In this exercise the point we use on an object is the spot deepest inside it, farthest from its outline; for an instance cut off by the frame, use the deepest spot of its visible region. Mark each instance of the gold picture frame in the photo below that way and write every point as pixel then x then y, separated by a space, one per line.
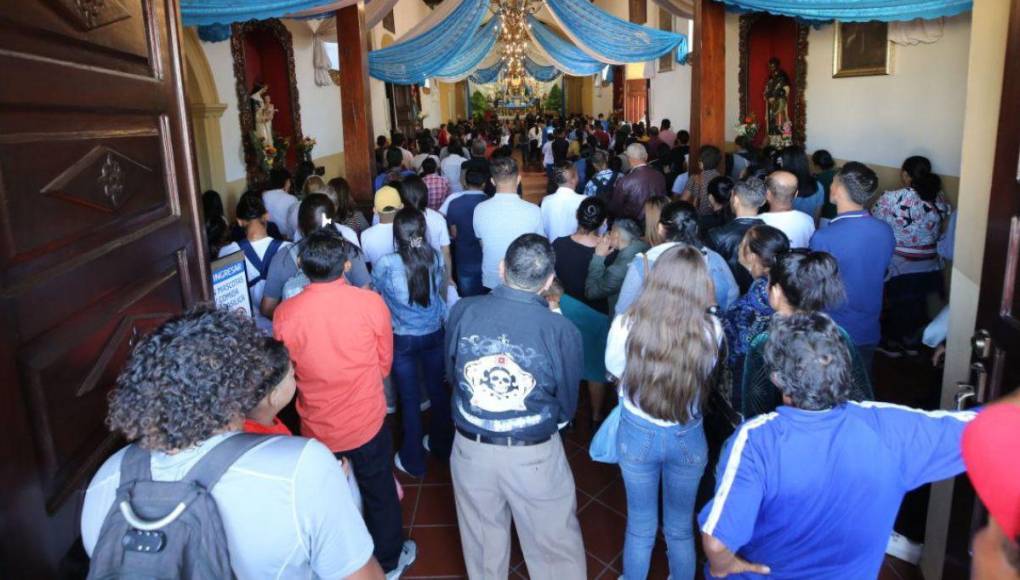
pixel 861 49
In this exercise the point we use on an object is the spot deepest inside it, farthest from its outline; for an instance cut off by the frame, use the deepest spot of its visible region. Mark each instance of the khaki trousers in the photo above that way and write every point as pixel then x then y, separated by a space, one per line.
pixel 534 486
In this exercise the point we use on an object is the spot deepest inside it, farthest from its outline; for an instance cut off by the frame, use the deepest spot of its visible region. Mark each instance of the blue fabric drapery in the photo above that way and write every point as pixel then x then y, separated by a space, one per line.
pixel 484 76
pixel 214 32
pixel 540 72
pixel 855 10
pixel 206 12
pixel 473 53
pixel 612 40
pixel 562 54
pixel 421 57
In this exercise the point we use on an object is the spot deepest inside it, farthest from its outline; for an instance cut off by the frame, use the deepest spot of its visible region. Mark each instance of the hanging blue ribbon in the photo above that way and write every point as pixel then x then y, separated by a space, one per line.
pixel 416 59
pixel 539 72
pixel 564 55
pixel 610 39
pixel 473 53
pixel 855 10
pixel 206 12
pixel 484 76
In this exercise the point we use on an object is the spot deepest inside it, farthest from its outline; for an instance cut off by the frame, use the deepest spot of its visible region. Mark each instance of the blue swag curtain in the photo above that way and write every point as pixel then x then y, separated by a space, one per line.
pixel 855 10
pixel 484 76
pixel 561 53
pixel 207 12
pixel 473 53
pixel 540 72
pixel 421 57
pixel 612 40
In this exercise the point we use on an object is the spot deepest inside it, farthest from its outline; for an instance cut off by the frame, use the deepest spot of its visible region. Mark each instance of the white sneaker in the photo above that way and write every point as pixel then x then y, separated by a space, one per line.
pixel 408 554
pixel 425 405
pixel 399 465
pixel 901 547
pixel 390 410
pixel 425 443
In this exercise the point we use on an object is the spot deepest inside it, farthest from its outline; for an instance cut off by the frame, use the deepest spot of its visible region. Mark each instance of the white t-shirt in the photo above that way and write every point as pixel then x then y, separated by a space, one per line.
pixel 436 230
pixel 286 508
pixel 547 154
pixel 559 213
pixel 260 247
pixel 498 222
pixel 377 241
pixel 450 168
pixel 797 225
pixel 283 209
pixel 346 231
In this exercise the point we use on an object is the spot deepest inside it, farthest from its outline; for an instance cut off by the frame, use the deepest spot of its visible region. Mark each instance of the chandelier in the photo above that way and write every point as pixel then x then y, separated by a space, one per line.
pixel 513 38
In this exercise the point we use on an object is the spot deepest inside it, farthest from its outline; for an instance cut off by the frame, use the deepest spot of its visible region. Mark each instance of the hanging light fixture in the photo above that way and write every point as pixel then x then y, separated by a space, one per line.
pixel 513 37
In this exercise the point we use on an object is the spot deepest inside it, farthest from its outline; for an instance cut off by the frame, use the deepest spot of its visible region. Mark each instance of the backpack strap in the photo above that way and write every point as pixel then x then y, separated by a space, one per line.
pixel 216 462
pixel 261 264
pixel 136 465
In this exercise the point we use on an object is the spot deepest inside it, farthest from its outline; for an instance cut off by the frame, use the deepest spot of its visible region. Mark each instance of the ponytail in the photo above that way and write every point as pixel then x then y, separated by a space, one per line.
pixel 809 280
pixel 922 180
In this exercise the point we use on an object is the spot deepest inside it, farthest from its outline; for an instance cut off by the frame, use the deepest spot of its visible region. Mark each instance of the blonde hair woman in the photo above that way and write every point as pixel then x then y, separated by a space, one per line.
pixel 653 208
pixel 664 349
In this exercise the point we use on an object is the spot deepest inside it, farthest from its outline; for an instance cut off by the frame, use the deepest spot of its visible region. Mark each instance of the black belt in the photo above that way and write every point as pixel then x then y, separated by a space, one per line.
pixel 504 441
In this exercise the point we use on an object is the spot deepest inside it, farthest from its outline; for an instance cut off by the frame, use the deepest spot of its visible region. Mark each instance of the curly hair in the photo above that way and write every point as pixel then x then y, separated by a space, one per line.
pixel 192 377
pixel 810 361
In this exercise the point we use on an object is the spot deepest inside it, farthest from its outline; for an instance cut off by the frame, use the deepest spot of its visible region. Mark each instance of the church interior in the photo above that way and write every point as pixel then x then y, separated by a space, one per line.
pixel 116 116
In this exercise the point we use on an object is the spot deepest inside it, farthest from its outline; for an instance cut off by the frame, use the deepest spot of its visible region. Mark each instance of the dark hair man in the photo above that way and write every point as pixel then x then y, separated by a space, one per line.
pixel 863 246
pixel 503 218
pixel 516 367
pixel 746 199
pixel 281 205
pixel 812 489
pixel 340 383
pixel 709 161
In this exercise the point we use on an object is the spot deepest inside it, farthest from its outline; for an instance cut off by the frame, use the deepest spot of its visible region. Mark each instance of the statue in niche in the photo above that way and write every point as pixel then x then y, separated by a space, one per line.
pixel 263 111
pixel 778 126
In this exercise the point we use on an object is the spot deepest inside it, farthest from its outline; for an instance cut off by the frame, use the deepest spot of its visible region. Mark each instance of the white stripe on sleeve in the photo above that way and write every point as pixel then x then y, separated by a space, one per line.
pixel 732 465
pixel 964 416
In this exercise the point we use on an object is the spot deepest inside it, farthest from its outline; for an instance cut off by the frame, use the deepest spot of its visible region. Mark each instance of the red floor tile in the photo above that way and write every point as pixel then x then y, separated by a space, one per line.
pixel 603 530
pixel 408 505
pixel 437 471
pixel 439 553
pixel 436 506
pixel 592 477
pixel 615 497
pixel 595 567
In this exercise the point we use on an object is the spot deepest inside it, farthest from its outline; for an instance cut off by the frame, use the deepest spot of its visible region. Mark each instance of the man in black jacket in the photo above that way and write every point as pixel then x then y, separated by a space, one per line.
pixel 746 199
pixel 515 366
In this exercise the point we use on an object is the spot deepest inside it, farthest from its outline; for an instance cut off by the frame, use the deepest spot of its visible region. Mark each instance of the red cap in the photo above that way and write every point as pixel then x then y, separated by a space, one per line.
pixel 991 451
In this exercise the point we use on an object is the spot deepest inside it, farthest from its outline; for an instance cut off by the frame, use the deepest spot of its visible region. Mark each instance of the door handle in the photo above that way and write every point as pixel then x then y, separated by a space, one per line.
pixel 964 392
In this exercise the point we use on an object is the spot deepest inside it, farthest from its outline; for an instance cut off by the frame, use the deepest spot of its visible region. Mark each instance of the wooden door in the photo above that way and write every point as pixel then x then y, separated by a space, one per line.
pixel 99 242
pixel 636 97
pixel 995 369
pixel 403 111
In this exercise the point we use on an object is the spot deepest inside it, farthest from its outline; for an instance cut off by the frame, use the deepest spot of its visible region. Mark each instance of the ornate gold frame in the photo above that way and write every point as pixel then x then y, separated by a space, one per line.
pixel 837 56
pixel 799 80
pixel 254 171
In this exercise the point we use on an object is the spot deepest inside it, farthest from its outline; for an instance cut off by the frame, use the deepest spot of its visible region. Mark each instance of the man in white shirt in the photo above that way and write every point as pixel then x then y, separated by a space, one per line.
pixel 281 205
pixel 502 219
pixel 398 139
pixel 377 241
pixel 450 167
pixel 559 210
pixel 781 188
pixel 547 156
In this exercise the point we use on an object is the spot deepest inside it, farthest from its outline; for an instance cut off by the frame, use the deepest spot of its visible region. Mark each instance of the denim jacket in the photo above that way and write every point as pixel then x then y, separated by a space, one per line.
pixel 515 365
pixel 409 318
pixel 726 289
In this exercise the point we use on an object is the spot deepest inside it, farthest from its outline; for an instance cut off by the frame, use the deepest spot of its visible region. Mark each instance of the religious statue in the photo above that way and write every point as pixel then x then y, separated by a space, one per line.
pixel 263 111
pixel 778 127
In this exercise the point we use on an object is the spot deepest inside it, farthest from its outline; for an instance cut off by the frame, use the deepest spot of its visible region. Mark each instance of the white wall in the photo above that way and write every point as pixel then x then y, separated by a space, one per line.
pixel 670 92
pixel 320 106
pixel 917 110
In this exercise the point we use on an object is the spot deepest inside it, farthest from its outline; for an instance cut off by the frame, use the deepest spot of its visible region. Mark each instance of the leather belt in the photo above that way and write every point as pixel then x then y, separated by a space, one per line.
pixel 502 441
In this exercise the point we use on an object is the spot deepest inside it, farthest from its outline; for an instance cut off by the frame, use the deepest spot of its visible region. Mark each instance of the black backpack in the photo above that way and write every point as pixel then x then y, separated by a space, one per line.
pixel 168 529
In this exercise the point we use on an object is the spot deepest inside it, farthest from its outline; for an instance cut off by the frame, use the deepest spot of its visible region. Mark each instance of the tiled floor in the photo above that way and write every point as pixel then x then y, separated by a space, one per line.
pixel 430 516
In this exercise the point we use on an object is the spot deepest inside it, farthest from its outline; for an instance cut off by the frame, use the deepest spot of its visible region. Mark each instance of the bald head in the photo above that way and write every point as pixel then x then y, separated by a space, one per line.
pixel 782 188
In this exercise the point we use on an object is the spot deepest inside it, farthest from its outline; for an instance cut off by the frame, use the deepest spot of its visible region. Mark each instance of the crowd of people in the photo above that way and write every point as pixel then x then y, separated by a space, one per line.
pixel 752 293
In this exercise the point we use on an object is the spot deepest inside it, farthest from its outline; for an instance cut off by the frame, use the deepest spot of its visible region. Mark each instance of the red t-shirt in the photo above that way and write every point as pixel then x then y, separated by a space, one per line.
pixel 340 339
pixel 278 427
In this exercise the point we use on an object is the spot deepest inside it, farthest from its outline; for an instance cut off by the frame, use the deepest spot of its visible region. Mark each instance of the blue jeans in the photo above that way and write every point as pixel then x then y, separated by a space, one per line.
pixel 469 283
pixel 676 456
pixel 408 352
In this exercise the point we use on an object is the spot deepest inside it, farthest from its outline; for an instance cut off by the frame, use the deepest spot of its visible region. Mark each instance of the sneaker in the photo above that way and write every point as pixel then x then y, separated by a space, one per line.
pixel 901 547
pixel 390 410
pixel 399 465
pixel 408 554
pixel 425 405
pixel 425 443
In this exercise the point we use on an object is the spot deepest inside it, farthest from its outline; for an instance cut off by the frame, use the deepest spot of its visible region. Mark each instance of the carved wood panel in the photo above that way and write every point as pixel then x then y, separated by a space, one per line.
pixel 99 242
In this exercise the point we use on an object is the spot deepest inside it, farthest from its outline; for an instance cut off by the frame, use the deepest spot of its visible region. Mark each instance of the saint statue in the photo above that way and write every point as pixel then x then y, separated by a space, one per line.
pixel 263 111
pixel 777 108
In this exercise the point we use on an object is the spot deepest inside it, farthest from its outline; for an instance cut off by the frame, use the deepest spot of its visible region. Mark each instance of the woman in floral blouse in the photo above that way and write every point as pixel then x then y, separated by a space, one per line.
pixel 916 213
pixel 751 314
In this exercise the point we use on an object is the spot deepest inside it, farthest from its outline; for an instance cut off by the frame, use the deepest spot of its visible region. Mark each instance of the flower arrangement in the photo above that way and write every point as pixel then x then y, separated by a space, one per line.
pixel 749 128
pixel 305 146
pixel 270 155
